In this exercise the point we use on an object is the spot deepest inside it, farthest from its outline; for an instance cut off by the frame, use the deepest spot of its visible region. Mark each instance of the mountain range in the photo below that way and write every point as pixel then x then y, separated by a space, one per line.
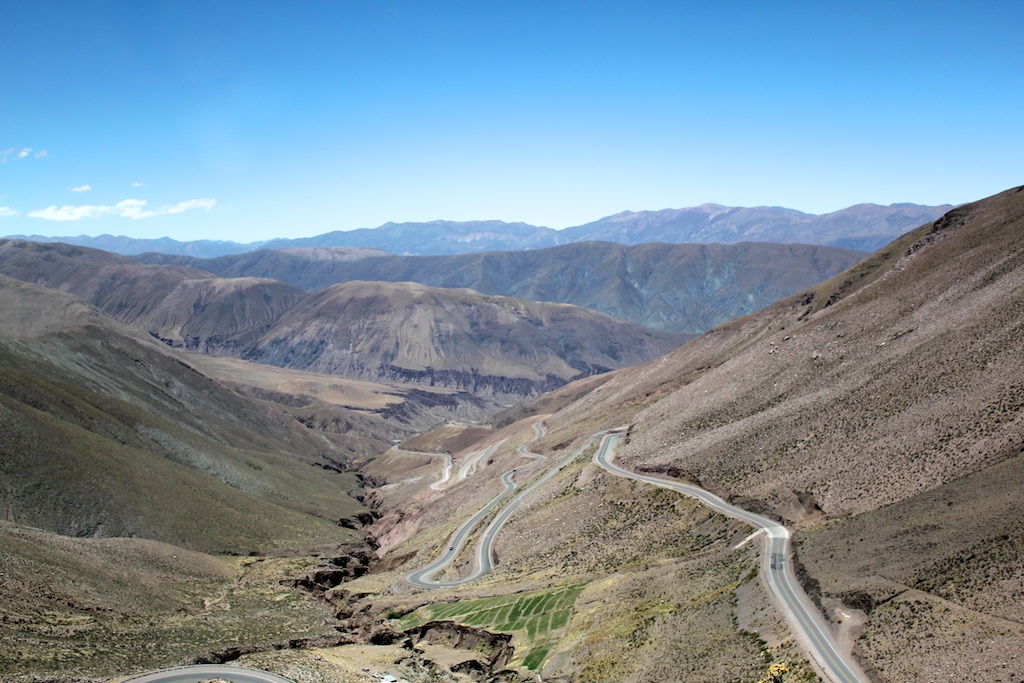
pixel 864 227
pixel 165 507
pixel 675 287
pixel 491 347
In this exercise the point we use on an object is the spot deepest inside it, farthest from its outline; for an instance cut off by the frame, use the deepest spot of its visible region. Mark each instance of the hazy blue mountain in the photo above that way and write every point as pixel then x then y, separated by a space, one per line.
pixel 865 227
pixel 130 246
pixel 435 237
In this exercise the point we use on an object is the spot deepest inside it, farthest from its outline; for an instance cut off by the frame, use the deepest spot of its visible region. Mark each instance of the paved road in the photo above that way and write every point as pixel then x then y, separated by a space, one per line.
pixel 485 550
pixel 202 672
pixel 421 577
pixel 777 570
pixel 483 561
pixel 446 473
pixel 538 434
pixel 469 466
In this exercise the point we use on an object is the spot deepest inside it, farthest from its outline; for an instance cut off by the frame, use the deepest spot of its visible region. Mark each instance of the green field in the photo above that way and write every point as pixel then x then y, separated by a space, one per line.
pixel 535 618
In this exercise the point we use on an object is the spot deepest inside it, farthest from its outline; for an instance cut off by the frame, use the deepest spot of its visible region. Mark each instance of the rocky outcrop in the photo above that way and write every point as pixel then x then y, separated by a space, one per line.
pixel 230 654
pixel 331 572
pixel 495 648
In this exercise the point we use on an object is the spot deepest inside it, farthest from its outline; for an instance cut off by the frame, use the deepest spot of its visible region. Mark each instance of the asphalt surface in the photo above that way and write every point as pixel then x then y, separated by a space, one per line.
pixel 203 672
pixel 776 566
pixel 538 434
pixel 777 569
pixel 421 577
pixel 446 473
pixel 484 557
pixel 469 466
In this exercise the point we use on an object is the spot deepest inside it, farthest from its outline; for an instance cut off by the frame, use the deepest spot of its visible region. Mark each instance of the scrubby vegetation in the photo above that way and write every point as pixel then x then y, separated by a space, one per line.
pixel 82 609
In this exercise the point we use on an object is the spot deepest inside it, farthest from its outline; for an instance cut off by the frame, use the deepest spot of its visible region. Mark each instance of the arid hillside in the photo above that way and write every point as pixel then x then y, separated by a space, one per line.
pixel 151 514
pixel 459 339
pixel 478 346
pixel 896 376
pixel 183 307
pixel 879 414
pixel 105 434
pixel 882 414
pixel 682 287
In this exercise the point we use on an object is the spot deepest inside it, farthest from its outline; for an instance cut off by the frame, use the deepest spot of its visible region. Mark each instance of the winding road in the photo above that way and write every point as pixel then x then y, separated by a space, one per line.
pixel 446 473
pixel 776 568
pixel 203 672
pixel 483 561
pixel 776 565
pixel 538 434
pixel 482 565
pixel 469 466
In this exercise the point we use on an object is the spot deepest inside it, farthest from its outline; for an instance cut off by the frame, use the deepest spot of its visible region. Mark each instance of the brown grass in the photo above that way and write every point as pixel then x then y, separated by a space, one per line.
pixel 340 391
pixel 91 609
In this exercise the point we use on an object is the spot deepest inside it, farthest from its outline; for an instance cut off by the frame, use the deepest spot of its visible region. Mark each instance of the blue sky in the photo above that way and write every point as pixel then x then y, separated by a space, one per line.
pixel 251 120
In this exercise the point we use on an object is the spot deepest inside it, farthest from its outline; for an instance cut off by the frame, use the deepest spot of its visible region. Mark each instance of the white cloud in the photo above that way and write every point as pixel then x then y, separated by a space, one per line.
pixel 127 208
pixel 70 213
pixel 136 184
pixel 82 188
pixel 7 211
pixel 22 154
pixel 181 207
pixel 134 209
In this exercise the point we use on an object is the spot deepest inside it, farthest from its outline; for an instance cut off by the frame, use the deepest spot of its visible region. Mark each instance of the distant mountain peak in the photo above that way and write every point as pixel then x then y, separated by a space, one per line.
pixel 865 227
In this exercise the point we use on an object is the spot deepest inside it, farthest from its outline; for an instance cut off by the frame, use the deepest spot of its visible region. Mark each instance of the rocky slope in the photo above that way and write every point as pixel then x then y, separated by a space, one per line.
pixel 680 287
pixel 887 380
pixel 182 306
pixel 459 339
pixel 882 413
pixel 879 413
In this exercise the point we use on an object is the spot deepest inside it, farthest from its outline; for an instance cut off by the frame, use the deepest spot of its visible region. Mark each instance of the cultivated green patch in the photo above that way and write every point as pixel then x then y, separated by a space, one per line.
pixel 535 618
